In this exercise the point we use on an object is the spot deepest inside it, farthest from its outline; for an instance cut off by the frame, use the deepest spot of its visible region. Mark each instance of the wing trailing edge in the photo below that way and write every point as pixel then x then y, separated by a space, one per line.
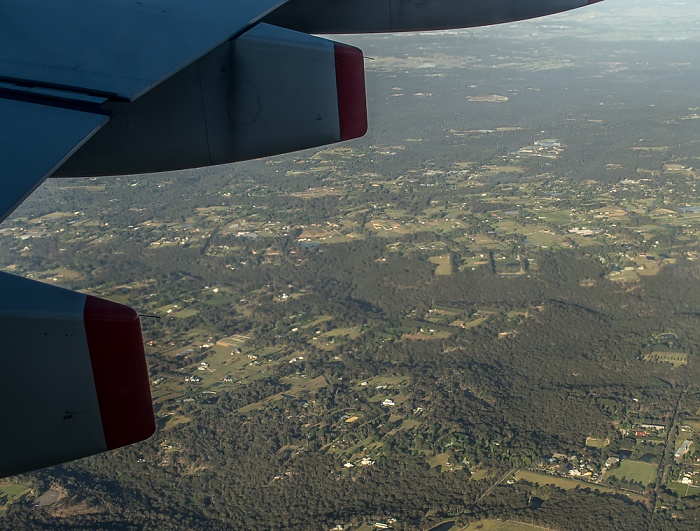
pixel 37 134
pixel 381 16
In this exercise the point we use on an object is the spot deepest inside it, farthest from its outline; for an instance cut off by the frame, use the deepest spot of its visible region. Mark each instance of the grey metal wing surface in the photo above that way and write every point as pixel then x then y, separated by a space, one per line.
pixel 59 61
pixel 35 138
pixel 118 48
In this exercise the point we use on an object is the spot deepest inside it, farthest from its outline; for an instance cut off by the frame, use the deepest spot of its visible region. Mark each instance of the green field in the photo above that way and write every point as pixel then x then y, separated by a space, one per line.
pixel 674 358
pixel 684 490
pixel 497 525
pixel 568 484
pixel 184 314
pixel 444 461
pixel 329 340
pixel 634 471
pixel 317 321
pixel 298 384
pixel 223 363
pixel 409 424
pixel 623 276
pixel 475 322
pixel 352 332
pixel 13 492
pixel 444 264
pixel 556 216
pixel 597 443
pixel 388 380
pixel 479 474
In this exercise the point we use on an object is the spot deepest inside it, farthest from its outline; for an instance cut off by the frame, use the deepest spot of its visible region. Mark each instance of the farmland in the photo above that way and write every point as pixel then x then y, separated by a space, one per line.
pixel 634 471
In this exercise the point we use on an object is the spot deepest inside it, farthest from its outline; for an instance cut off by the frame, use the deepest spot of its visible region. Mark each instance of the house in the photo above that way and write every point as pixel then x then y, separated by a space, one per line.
pixel 388 402
pixel 683 449
pixel 612 461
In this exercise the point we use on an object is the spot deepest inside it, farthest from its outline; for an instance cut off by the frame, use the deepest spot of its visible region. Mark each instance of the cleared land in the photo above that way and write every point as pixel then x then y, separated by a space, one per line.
pixel 568 484
pixel 634 471
pixel 13 492
pixel 597 443
pixel 442 460
pixel 298 384
pixel 444 264
pixel 684 490
pixel 497 525
pixel 674 358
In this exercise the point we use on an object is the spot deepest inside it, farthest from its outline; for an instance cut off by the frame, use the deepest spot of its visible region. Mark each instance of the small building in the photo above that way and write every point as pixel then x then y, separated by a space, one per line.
pixel 611 461
pixel 683 449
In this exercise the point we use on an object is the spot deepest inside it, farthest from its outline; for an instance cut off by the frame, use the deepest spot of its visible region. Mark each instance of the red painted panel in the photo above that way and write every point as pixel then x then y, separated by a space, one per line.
pixel 350 80
pixel 119 368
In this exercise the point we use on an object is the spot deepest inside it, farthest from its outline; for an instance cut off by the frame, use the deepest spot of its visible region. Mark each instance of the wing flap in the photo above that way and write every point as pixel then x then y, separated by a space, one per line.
pixel 120 48
pixel 35 139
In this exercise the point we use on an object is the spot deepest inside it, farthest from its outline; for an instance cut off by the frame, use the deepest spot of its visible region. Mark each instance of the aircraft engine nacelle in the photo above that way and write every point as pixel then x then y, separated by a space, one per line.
pixel 378 16
pixel 74 376
pixel 266 92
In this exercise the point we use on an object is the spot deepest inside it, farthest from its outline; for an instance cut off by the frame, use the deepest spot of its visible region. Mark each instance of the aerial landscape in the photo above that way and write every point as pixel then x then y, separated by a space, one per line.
pixel 485 314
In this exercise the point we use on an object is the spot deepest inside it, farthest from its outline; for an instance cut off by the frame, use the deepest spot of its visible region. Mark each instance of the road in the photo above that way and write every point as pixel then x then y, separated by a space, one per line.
pixel 668 453
pixel 488 491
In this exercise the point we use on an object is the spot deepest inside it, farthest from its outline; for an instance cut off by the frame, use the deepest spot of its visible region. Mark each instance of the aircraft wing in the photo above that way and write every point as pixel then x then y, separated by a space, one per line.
pixel 59 61
pixel 76 381
pixel 34 140
pixel 115 47
pixel 113 87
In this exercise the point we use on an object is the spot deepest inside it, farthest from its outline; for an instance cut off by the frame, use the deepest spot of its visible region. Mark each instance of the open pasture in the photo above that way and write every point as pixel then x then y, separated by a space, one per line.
pixel 568 484
pixel 634 471
pixel 498 525
pixel 443 263
pixel 593 442
pixel 684 490
pixel 13 492
pixel 674 358
pixel 422 336
pixel 298 385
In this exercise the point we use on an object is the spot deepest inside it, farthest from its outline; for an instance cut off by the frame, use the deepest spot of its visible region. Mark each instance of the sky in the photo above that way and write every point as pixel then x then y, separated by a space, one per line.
pixel 616 20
